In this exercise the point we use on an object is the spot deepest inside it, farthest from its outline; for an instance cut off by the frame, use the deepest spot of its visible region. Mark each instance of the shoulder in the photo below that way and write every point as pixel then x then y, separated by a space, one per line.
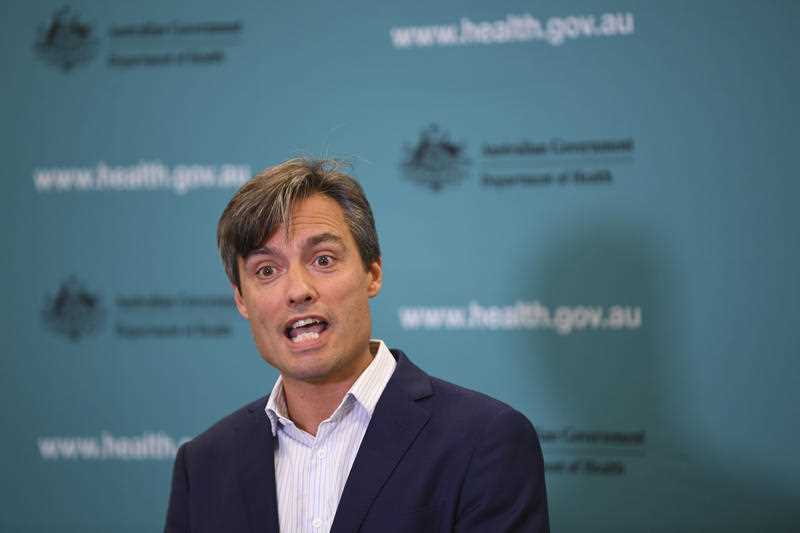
pixel 226 432
pixel 481 411
pixel 491 446
pixel 457 405
pixel 503 453
pixel 467 399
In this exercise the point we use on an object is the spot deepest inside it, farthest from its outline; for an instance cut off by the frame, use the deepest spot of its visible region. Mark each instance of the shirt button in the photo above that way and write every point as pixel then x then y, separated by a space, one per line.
pixel 316 523
pixel 321 453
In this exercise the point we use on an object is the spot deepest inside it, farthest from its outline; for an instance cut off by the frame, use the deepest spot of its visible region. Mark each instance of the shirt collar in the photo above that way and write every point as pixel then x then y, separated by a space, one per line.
pixel 366 390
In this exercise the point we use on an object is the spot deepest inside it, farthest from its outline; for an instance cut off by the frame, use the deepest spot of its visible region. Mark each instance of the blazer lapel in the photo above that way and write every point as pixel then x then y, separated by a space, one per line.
pixel 257 470
pixel 396 422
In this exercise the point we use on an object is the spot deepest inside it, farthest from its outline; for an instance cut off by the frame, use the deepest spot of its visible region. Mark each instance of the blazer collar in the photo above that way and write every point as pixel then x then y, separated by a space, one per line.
pixel 396 422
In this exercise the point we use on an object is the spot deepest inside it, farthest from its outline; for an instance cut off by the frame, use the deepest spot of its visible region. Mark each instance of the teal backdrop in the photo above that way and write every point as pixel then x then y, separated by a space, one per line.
pixel 586 210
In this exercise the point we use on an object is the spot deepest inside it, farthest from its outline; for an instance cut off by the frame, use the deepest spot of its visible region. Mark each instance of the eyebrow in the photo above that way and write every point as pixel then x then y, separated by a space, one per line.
pixel 324 238
pixel 262 250
pixel 312 241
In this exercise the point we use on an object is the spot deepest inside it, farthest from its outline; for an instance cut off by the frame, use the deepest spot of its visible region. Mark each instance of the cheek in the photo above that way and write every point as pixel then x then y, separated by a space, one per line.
pixel 265 339
pixel 355 306
pixel 259 313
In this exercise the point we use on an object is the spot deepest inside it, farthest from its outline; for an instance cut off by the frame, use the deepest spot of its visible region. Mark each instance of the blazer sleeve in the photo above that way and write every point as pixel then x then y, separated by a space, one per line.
pixel 504 489
pixel 178 510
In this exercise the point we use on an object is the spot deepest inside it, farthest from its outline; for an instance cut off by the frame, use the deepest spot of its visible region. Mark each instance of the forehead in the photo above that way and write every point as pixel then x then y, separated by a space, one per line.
pixel 317 213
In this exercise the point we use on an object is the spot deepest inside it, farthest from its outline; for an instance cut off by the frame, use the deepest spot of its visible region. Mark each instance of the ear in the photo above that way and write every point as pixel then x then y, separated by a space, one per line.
pixel 240 305
pixel 375 274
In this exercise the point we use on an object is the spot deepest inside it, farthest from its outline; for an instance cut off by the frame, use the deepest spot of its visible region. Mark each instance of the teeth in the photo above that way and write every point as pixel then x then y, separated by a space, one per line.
pixel 304 322
pixel 306 335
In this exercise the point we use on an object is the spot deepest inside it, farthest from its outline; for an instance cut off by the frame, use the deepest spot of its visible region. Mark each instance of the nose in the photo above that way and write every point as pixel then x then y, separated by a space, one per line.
pixel 300 288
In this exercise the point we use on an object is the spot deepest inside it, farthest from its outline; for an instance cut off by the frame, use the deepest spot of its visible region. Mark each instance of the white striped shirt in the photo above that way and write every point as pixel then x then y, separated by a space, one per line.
pixel 310 472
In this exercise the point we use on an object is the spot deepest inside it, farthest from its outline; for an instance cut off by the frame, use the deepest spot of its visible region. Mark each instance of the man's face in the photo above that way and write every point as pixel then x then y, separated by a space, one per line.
pixel 305 293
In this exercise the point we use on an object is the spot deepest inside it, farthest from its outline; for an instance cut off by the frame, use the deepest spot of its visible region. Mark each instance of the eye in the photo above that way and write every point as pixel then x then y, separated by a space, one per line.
pixel 265 271
pixel 323 260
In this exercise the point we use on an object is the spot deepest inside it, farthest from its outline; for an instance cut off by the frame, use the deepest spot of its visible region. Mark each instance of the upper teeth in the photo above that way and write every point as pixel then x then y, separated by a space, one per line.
pixel 304 322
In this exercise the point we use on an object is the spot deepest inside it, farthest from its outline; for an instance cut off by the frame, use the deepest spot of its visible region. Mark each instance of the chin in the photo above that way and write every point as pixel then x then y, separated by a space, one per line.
pixel 312 372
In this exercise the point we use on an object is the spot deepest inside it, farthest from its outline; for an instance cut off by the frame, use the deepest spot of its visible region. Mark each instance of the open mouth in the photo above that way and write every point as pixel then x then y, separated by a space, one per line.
pixel 305 329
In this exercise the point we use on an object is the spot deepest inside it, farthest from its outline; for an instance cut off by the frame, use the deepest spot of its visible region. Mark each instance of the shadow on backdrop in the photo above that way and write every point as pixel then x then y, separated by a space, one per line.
pixel 630 381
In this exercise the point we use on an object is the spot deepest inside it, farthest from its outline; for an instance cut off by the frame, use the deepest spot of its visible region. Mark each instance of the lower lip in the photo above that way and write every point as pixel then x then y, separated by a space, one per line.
pixel 308 344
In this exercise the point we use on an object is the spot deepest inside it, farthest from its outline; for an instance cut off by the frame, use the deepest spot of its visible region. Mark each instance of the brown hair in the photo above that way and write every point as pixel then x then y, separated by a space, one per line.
pixel 265 203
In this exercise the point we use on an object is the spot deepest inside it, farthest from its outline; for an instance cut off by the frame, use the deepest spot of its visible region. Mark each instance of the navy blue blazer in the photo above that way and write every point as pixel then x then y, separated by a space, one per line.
pixel 435 457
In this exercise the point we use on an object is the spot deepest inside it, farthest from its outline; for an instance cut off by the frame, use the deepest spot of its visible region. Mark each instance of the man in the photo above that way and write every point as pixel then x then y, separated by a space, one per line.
pixel 353 437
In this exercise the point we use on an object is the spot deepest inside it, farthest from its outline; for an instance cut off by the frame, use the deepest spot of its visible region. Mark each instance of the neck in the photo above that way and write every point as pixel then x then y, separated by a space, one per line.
pixel 309 403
